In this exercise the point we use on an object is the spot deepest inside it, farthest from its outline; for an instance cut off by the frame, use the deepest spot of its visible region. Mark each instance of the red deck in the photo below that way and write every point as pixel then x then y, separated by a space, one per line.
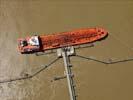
pixel 76 37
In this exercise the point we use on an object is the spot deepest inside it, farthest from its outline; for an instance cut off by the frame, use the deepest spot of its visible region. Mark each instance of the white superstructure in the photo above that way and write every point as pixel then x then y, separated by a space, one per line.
pixel 34 41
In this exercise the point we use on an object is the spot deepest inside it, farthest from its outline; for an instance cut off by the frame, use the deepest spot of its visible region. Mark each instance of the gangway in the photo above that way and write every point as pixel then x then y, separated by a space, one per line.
pixel 65 53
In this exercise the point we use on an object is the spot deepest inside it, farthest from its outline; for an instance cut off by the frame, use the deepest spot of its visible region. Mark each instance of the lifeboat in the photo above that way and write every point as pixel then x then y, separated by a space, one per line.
pixel 41 43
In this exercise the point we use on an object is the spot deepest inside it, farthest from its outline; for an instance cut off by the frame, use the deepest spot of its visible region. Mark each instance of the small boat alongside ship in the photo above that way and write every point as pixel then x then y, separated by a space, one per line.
pixel 41 43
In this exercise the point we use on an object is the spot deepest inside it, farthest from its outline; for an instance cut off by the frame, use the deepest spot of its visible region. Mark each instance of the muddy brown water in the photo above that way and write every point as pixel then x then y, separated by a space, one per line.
pixel 94 81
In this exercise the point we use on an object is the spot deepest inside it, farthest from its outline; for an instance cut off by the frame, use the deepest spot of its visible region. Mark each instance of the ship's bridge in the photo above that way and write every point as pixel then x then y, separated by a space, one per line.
pixel 34 41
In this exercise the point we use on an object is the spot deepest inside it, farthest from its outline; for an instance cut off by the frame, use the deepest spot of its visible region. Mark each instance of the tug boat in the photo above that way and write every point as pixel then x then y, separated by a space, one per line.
pixel 41 43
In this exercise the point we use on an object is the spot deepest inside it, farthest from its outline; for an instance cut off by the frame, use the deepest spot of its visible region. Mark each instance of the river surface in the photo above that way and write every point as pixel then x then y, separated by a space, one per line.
pixel 94 81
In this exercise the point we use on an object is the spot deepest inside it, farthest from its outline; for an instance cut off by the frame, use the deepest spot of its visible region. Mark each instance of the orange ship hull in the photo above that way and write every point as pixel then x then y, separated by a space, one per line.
pixel 59 40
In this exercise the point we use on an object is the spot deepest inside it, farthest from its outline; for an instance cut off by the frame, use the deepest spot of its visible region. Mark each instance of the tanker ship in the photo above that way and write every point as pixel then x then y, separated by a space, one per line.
pixel 41 43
